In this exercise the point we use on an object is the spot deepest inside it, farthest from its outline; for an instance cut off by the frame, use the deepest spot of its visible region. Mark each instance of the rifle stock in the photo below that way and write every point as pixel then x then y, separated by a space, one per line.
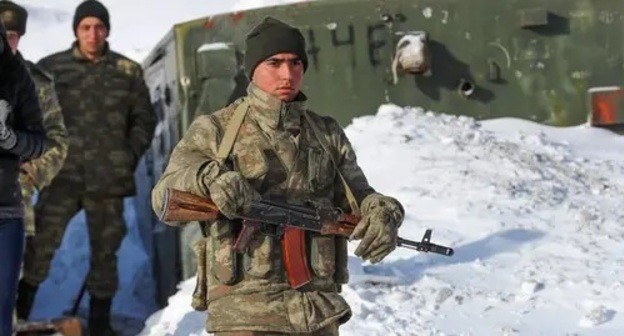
pixel 65 326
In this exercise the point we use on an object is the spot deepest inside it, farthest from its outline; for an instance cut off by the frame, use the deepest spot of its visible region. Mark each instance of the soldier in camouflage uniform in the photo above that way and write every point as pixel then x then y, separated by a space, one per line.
pixel 110 122
pixel 276 155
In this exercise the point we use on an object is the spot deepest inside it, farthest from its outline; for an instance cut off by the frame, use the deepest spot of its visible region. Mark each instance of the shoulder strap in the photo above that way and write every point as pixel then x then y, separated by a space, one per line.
pixel 231 132
pixel 355 209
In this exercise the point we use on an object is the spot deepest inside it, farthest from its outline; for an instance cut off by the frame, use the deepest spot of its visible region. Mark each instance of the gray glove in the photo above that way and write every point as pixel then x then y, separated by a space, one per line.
pixel 232 194
pixel 7 135
pixel 378 228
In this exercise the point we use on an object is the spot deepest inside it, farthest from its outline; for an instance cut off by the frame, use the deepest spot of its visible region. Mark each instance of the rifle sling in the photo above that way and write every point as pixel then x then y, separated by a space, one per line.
pixel 355 209
pixel 225 147
pixel 231 132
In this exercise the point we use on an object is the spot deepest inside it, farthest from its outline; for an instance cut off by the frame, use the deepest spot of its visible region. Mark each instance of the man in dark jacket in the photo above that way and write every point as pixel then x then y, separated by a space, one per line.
pixel 110 122
pixel 36 174
pixel 21 138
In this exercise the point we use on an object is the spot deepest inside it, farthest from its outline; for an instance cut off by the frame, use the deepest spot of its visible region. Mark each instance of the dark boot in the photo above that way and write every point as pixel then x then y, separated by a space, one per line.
pixel 25 299
pixel 99 317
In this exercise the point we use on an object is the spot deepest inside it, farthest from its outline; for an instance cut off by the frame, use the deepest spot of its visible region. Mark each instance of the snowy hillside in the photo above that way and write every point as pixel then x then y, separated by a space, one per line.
pixel 534 214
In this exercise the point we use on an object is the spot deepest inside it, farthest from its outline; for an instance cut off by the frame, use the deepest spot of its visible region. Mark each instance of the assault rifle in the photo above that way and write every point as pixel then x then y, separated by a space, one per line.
pixel 276 218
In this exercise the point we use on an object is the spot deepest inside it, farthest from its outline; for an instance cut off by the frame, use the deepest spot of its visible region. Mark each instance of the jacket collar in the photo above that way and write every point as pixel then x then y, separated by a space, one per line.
pixel 272 112
pixel 78 55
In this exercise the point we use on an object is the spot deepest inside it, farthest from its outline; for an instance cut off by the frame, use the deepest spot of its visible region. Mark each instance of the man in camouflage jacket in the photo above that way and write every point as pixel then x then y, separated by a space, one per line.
pixel 110 122
pixel 276 155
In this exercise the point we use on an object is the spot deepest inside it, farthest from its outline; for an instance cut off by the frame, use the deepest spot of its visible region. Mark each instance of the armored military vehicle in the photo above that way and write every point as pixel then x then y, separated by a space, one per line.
pixel 556 62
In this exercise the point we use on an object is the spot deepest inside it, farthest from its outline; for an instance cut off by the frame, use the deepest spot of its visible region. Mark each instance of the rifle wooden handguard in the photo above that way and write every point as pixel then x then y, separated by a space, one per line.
pixel 344 226
pixel 182 206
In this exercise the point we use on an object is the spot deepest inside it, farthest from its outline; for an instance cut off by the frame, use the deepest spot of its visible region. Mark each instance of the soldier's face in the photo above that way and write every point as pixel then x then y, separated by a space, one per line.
pixel 13 38
pixel 91 34
pixel 280 76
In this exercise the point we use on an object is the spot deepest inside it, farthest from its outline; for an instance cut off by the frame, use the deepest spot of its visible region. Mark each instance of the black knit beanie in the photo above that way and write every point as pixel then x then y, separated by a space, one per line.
pixel 272 37
pixel 91 8
pixel 14 16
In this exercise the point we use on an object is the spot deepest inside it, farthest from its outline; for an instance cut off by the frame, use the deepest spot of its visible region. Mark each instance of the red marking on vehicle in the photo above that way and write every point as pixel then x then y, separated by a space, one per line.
pixel 236 17
pixel 209 24
pixel 605 106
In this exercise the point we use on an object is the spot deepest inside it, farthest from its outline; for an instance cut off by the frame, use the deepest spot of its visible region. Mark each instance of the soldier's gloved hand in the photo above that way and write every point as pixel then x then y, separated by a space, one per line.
pixel 7 135
pixel 232 194
pixel 378 228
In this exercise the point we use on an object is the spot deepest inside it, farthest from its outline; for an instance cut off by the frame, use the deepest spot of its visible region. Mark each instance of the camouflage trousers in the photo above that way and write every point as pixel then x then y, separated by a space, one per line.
pixel 57 204
pixel 331 330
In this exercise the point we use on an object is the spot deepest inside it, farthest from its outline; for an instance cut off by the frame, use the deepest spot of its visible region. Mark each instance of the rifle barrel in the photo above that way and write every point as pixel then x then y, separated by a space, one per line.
pixel 425 247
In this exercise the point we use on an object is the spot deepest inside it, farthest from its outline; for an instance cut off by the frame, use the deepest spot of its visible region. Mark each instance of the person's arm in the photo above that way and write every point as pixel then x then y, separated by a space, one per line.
pixel 27 140
pixel 41 171
pixel 381 215
pixel 346 160
pixel 192 165
pixel 142 116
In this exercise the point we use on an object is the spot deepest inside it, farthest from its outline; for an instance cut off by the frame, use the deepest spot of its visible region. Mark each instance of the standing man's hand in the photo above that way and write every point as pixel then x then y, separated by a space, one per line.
pixel 7 135
pixel 27 184
pixel 378 228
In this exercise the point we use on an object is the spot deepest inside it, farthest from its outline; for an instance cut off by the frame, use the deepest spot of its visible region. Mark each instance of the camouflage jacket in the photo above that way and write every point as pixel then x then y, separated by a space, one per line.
pixel 278 153
pixel 109 118
pixel 38 173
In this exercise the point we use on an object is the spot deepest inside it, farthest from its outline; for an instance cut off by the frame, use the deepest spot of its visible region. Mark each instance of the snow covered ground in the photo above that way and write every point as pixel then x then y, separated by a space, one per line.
pixel 534 214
